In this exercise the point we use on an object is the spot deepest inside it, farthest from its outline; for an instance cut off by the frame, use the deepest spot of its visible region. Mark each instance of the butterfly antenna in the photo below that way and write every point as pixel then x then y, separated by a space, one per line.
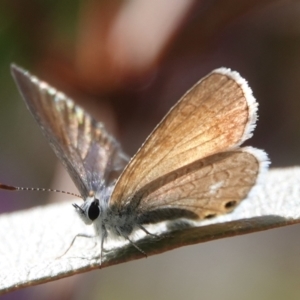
pixel 16 188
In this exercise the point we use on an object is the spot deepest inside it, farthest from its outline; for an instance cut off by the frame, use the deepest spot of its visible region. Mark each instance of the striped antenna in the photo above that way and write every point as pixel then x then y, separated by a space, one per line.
pixel 16 188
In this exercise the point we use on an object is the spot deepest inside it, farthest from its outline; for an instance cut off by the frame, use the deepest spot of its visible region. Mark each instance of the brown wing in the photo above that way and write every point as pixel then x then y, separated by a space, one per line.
pixel 217 114
pixel 92 157
pixel 203 189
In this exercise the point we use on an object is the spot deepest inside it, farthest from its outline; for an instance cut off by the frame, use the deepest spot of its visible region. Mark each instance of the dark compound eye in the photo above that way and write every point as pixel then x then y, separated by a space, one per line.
pixel 94 210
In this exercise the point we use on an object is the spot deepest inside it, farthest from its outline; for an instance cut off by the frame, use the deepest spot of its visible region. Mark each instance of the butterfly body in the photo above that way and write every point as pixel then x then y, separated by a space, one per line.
pixel 106 219
pixel 191 166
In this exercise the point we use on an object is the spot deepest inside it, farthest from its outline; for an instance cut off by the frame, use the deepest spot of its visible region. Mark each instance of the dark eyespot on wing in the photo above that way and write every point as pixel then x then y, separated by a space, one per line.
pixel 230 204
pixel 209 216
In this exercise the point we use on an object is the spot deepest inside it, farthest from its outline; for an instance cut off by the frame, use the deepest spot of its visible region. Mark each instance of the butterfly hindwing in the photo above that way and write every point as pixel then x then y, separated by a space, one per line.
pixel 203 189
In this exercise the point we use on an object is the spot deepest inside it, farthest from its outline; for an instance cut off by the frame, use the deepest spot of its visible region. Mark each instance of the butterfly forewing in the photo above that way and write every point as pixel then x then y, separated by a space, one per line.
pixel 217 114
pixel 89 153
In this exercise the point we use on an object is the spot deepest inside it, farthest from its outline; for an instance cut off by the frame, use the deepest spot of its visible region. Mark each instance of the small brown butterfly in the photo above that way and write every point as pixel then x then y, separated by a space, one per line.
pixel 191 165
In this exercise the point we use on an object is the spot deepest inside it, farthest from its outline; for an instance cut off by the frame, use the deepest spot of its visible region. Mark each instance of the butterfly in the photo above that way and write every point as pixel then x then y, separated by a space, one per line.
pixel 190 167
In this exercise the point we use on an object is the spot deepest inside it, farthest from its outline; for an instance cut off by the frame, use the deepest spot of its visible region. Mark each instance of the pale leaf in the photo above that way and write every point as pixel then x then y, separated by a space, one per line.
pixel 32 241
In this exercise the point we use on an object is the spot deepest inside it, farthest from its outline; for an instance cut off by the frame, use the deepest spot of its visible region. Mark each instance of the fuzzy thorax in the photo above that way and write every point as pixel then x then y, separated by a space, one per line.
pixel 106 219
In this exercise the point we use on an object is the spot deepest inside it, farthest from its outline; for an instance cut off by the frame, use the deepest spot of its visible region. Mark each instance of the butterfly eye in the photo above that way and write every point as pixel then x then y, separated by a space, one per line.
pixel 94 211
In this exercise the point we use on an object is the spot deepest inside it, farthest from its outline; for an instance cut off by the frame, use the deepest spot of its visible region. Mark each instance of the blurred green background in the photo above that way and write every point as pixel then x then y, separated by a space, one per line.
pixel 127 63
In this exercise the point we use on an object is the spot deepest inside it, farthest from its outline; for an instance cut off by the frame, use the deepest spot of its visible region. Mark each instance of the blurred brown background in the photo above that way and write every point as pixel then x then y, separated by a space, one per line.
pixel 128 62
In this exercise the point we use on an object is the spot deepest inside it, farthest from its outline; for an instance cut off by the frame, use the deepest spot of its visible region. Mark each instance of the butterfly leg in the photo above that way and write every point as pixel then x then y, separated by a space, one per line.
pixel 73 241
pixel 147 232
pixel 131 242
pixel 159 237
pixel 104 236
pixel 136 247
